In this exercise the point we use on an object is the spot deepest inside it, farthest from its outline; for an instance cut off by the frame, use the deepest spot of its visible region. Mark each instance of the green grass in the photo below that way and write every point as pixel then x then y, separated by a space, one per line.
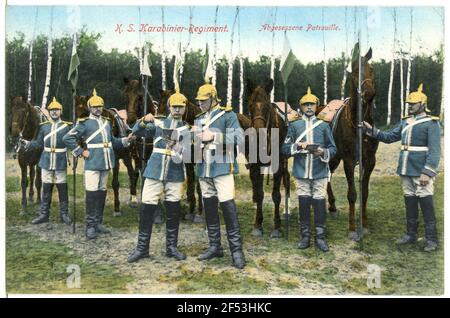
pixel 34 266
pixel 405 270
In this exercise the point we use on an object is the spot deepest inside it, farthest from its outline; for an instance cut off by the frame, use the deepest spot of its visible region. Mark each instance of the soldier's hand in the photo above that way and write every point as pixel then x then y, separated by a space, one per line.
pixel 302 145
pixel 25 143
pixel 85 153
pixel 207 135
pixel 131 137
pixel 319 152
pixel 367 126
pixel 149 117
pixel 424 179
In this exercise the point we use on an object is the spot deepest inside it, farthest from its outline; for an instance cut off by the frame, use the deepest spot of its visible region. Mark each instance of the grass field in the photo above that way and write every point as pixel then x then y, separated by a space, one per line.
pixel 37 256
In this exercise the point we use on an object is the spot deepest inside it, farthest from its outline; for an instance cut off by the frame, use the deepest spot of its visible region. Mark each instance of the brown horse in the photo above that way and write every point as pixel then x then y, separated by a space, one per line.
pixel 119 129
pixel 264 117
pixel 25 120
pixel 346 142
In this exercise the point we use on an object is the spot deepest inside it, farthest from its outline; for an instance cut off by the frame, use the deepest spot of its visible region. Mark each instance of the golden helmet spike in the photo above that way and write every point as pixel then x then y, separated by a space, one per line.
pixel 309 98
pixel 54 105
pixel 95 100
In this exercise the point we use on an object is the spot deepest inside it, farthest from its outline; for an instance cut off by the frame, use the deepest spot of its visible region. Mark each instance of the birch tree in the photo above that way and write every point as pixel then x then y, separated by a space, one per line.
pixel 49 63
pixel 391 75
pixel 230 63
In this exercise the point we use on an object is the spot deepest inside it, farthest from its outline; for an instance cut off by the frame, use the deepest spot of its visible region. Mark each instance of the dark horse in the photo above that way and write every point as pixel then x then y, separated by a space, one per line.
pixel 119 129
pixel 346 141
pixel 25 120
pixel 264 118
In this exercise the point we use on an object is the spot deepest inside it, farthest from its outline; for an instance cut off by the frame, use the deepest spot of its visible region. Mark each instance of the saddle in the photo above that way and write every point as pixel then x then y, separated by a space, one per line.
pixel 291 114
pixel 332 111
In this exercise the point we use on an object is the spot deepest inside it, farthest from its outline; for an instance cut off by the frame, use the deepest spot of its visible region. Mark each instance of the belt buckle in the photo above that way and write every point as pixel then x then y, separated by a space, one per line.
pixel 406 147
pixel 53 149
pixel 105 144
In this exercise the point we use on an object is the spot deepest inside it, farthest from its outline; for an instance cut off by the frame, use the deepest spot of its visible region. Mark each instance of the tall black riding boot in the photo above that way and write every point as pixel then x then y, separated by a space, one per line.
pixel 91 214
pixel 211 209
pixel 427 207
pixel 319 222
pixel 304 208
pixel 233 232
pixel 46 201
pixel 101 200
pixel 412 215
pixel 173 210
pixel 63 203
pixel 146 216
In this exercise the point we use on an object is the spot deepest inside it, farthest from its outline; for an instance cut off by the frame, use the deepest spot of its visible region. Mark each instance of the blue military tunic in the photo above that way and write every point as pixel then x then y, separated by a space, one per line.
pixel 96 133
pixel 420 145
pixel 50 140
pixel 160 165
pixel 307 165
pixel 219 120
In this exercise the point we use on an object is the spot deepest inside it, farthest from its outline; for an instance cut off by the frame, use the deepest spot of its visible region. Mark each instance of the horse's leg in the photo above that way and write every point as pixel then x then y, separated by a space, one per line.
pixel 276 198
pixel 190 190
pixel 32 175
pixel 334 163
pixel 23 184
pixel 199 196
pixel 131 176
pixel 258 197
pixel 38 183
pixel 369 165
pixel 349 169
pixel 115 186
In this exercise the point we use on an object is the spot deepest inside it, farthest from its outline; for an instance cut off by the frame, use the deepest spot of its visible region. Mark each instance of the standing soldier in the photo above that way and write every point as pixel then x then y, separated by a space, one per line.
pixel 311 143
pixel 417 165
pixel 164 173
pixel 95 132
pixel 218 128
pixel 53 162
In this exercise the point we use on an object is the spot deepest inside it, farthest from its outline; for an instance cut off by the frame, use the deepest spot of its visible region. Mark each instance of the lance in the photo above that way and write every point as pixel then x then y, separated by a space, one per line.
pixel 74 170
pixel 285 168
pixel 360 144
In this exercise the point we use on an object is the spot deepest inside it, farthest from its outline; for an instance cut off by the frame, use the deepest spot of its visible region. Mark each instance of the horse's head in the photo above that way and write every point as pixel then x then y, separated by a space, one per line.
pixel 367 81
pixel 134 93
pixel 259 104
pixel 81 108
pixel 164 96
pixel 20 112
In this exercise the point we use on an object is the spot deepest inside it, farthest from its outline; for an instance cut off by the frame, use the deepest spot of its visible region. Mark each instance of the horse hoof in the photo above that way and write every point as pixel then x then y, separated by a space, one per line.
pixel 189 217
pixel 158 220
pixel 276 234
pixel 334 214
pixel 257 232
pixel 353 235
pixel 133 202
pixel 199 219
pixel 117 213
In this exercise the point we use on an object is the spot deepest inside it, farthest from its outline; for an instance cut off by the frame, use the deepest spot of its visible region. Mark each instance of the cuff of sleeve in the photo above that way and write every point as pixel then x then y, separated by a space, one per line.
pixel 125 142
pixel 326 156
pixel 294 149
pixel 429 171
pixel 218 138
pixel 77 151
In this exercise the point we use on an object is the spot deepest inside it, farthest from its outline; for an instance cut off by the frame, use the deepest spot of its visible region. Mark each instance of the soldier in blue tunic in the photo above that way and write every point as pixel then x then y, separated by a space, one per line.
pixel 95 132
pixel 218 131
pixel 164 174
pixel 311 143
pixel 53 162
pixel 420 152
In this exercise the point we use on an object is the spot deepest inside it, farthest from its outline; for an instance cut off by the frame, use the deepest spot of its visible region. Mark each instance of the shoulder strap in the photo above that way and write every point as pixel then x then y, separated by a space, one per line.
pixel 51 133
pixel 103 126
pixel 415 123
pixel 217 116
pixel 317 123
